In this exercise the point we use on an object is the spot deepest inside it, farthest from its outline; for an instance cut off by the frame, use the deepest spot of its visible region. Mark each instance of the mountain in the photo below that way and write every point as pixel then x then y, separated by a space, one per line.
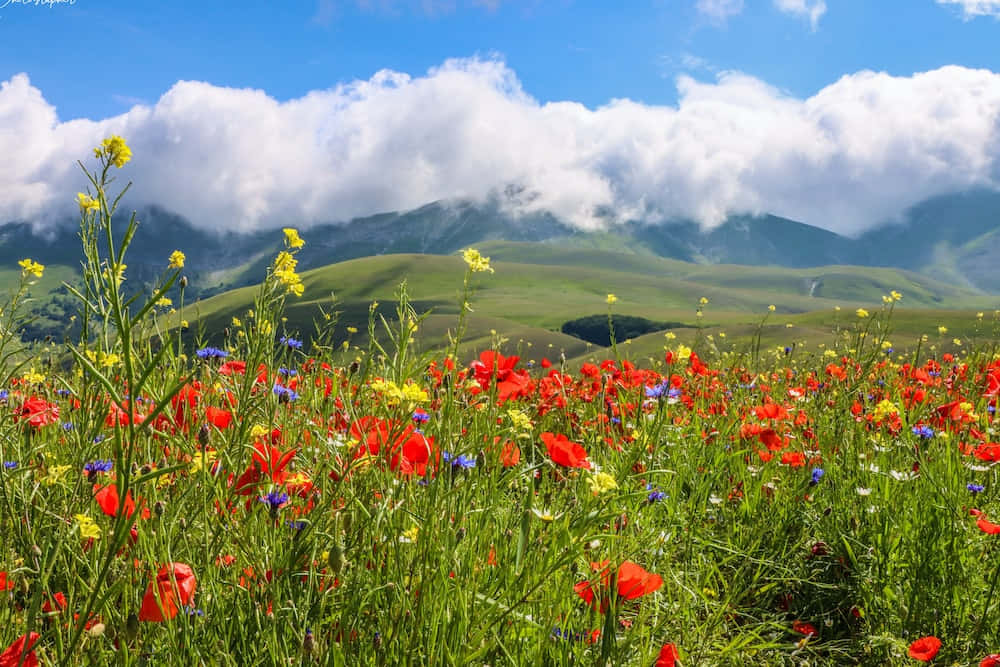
pixel 951 240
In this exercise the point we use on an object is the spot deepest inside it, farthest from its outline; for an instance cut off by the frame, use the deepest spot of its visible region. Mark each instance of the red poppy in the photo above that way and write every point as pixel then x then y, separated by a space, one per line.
pixel 564 452
pixel 56 602
pixel 510 454
pixel 19 654
pixel 988 527
pixel 108 499
pixel 5 583
pixel 218 417
pixel 38 412
pixel 175 583
pixel 807 629
pixel 992 660
pixel 925 648
pixel 634 582
pixel 668 656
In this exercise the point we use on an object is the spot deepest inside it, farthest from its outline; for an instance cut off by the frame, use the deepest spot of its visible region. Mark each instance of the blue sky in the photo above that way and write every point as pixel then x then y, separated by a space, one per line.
pixel 94 58
pixel 839 113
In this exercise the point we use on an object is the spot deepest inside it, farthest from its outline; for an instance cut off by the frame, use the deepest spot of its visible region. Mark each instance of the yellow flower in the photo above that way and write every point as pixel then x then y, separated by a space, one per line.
pixel 55 474
pixel 956 341
pixel 31 267
pixel 703 301
pixel 601 482
pixel 88 527
pixel 771 308
pixel 115 150
pixel 884 409
pixel 185 324
pixel 164 302
pixel 611 299
pixel 292 238
pixel 476 262
pixel 410 534
pixel 87 203
pixel 109 360
pixel 896 296
pixel 32 377
pixel 352 330
pixel 683 352
pixel 670 335
pixel 861 312
pixel 942 330
pixel 237 322
pixel 176 260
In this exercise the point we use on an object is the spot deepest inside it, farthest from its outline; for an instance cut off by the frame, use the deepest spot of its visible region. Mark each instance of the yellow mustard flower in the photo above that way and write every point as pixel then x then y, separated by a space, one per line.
pixel 476 262
pixel 611 299
pixel 292 238
pixel 601 482
pixel 176 260
pixel 88 527
pixel 87 203
pixel 861 312
pixel 31 267
pixel 115 150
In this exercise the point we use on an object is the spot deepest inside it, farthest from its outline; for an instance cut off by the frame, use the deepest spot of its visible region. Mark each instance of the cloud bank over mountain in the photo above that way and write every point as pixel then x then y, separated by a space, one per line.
pixel 858 152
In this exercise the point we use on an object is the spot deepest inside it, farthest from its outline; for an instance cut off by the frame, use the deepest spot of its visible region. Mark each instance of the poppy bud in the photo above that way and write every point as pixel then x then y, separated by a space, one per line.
pixel 159 507
pixel 481 459
pixel 146 469
pixel 308 643
pixel 353 368
pixel 203 435
pixel 131 627
pixel 183 282
pixel 336 558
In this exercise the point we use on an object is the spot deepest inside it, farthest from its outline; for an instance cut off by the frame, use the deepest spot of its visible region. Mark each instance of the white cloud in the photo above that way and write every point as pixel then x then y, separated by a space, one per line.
pixel 860 151
pixel 810 9
pixel 974 8
pixel 719 10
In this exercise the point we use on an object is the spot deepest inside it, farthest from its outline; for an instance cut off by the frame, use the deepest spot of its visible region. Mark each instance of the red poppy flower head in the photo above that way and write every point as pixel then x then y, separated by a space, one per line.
pixel 925 648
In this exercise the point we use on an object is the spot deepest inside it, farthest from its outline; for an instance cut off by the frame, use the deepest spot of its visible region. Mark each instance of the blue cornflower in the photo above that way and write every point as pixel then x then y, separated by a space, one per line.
pixel 817 474
pixel 64 392
pixel 191 611
pixel 788 350
pixel 975 488
pixel 925 432
pixel 421 417
pixel 98 438
pixel 211 353
pixel 284 394
pixel 100 465
pixel 655 495
pixel 3 394
pixel 10 465
pixel 290 372
pixel 67 426
pixel 657 390
pixel 460 461
pixel 291 343
pixel 991 409
pixel 275 499
pixel 297 525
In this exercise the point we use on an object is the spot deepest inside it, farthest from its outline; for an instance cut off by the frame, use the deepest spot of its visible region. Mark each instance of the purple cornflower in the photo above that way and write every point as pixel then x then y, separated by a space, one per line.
pixel 10 465
pixel 211 353
pixel 291 343
pixel 975 488
pixel 100 465
pixel 275 500
pixel 460 461
pixel 817 474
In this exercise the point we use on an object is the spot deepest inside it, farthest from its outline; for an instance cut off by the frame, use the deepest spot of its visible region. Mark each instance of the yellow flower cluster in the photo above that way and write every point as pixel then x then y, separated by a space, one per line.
pixel 88 527
pixel 611 299
pixel 31 267
pixel 476 262
pixel 601 482
pixel 861 312
pixel 176 260
pixel 410 393
pixel 884 409
pixel 115 150
pixel 292 238
pixel 87 203
pixel 284 271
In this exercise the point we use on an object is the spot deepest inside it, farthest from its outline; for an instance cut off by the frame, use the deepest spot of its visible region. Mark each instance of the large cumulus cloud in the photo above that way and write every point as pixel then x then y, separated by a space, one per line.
pixel 855 154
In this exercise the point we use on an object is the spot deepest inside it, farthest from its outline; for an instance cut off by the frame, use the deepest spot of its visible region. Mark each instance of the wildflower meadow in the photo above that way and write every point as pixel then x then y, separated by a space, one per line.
pixel 270 496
